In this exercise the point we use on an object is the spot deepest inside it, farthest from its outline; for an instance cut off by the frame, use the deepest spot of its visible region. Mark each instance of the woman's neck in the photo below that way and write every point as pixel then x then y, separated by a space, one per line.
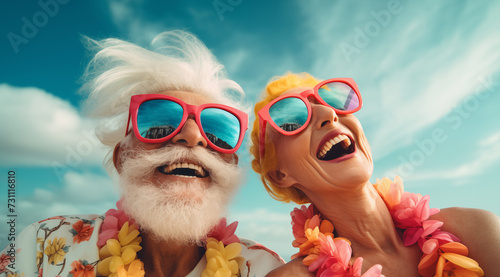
pixel 167 258
pixel 362 217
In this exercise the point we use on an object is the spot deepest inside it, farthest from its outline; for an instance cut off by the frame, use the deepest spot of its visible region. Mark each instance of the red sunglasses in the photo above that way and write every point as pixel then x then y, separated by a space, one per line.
pixel 157 118
pixel 289 114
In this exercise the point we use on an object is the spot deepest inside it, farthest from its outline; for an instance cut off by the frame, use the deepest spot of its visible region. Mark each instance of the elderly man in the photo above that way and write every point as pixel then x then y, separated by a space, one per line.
pixel 167 115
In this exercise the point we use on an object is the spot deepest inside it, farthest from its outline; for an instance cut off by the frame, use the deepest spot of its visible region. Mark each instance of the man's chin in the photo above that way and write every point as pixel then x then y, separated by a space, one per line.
pixel 175 212
pixel 190 193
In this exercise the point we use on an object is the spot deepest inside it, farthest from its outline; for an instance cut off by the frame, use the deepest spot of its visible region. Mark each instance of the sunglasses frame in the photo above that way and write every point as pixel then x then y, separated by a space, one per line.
pixel 265 117
pixel 137 100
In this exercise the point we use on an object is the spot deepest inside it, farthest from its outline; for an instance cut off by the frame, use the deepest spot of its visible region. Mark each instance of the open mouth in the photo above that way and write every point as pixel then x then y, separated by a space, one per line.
pixel 337 147
pixel 184 170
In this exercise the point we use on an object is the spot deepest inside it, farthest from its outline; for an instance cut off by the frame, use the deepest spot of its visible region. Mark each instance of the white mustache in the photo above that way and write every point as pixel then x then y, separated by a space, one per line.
pixel 147 161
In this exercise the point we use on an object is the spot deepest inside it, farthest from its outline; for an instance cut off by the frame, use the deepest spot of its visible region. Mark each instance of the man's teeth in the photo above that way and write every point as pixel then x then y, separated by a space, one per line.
pixel 198 169
pixel 329 144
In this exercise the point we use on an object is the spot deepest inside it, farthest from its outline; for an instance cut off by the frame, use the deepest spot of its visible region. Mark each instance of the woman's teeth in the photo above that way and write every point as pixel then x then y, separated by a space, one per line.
pixel 343 139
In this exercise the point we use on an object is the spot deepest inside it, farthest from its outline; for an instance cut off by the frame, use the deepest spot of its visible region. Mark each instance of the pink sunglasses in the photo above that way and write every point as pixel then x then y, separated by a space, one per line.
pixel 157 118
pixel 289 114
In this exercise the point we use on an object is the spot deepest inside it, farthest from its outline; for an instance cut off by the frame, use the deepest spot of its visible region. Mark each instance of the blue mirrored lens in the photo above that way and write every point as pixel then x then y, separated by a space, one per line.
pixel 339 95
pixel 221 127
pixel 289 113
pixel 158 118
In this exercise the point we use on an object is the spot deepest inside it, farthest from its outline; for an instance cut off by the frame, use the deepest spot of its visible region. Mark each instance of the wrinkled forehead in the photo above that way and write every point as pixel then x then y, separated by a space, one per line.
pixel 296 90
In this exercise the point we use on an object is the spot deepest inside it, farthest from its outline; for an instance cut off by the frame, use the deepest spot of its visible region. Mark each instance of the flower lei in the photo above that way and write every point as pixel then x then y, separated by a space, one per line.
pixel 443 254
pixel 119 241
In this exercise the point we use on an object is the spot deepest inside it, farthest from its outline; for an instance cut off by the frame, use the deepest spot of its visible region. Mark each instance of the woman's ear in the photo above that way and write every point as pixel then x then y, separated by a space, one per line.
pixel 117 161
pixel 281 179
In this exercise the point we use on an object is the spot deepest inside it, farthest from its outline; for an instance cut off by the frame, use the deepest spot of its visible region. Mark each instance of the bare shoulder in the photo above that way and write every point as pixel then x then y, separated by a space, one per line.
pixel 467 221
pixel 477 229
pixel 292 268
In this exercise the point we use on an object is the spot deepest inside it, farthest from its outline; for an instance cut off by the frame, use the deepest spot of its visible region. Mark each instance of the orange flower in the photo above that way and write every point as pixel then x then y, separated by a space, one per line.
pixel 449 259
pixel 452 264
pixel 81 231
pixel 390 191
pixel 82 269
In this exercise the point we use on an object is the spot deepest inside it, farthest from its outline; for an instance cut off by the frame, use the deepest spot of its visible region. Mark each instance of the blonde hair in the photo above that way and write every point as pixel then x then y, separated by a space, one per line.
pixel 268 163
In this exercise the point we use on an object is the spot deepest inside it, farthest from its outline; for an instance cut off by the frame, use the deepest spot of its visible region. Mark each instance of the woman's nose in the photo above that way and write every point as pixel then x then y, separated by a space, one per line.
pixel 323 115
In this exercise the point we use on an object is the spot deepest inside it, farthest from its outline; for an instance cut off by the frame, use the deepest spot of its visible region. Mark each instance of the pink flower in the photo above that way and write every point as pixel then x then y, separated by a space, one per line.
pixel 225 233
pixel 334 260
pixel 113 222
pixel 304 219
pixel 412 211
pixel 299 217
pixel 4 262
pixel 412 235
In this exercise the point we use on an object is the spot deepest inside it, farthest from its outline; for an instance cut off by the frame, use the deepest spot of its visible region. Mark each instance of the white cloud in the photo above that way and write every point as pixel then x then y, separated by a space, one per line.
pixel 81 193
pixel 268 228
pixel 414 70
pixel 126 18
pixel 40 129
pixel 486 155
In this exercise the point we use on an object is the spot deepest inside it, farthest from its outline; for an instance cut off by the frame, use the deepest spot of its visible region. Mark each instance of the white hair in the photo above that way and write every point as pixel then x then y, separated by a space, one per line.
pixel 177 60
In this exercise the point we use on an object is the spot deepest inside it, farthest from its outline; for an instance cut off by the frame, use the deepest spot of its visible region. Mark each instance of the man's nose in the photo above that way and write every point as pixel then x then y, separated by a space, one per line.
pixel 323 116
pixel 190 135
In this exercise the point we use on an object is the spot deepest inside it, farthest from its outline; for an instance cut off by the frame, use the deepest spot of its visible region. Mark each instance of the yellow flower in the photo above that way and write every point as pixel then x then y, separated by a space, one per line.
pixel 55 250
pixel 39 254
pixel 134 269
pixel 15 275
pixel 120 252
pixel 221 261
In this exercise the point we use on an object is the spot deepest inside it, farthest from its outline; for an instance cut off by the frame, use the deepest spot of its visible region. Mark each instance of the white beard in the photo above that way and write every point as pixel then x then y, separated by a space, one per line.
pixel 184 211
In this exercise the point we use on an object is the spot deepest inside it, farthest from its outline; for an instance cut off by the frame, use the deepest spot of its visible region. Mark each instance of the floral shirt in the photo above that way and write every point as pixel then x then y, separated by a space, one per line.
pixel 67 246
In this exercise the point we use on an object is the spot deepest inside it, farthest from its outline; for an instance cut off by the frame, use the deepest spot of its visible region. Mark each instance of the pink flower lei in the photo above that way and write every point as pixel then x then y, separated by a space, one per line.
pixel 326 255
pixel 119 241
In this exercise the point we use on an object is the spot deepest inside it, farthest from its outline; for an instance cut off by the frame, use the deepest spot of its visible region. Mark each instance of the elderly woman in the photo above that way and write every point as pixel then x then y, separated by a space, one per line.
pixel 308 147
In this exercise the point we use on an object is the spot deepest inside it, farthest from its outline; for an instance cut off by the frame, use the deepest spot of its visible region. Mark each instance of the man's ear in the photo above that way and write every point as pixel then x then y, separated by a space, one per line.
pixel 235 159
pixel 117 161
pixel 281 179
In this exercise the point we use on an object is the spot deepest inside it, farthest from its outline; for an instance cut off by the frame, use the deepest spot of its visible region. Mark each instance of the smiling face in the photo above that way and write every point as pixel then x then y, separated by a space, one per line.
pixel 165 183
pixel 329 154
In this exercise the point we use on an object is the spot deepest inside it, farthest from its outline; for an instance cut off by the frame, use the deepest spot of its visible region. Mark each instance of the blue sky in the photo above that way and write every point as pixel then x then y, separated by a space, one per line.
pixel 428 71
